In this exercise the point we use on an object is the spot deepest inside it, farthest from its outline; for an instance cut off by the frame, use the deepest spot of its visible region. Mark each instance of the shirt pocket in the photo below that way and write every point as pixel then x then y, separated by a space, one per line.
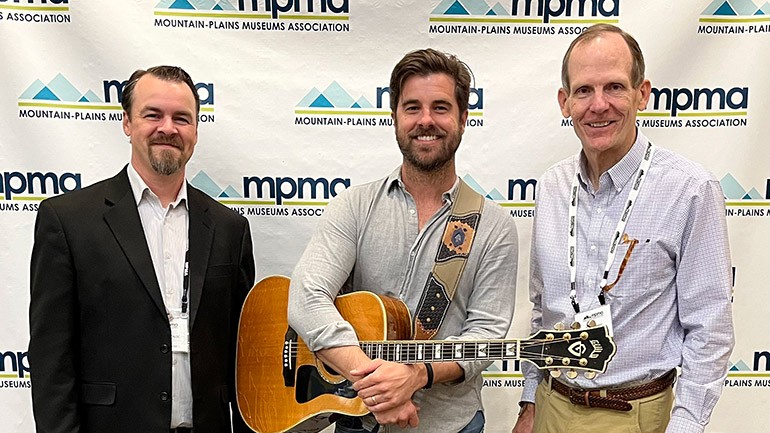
pixel 648 268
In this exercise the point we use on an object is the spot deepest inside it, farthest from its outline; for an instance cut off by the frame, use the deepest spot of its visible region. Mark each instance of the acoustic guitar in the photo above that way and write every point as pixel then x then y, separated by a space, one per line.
pixel 282 386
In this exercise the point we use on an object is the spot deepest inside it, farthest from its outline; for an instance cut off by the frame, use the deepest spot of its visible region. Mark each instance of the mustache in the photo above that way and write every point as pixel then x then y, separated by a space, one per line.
pixel 432 130
pixel 173 141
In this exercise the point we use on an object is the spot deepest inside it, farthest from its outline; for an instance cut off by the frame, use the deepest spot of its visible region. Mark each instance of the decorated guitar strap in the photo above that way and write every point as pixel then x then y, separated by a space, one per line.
pixel 451 258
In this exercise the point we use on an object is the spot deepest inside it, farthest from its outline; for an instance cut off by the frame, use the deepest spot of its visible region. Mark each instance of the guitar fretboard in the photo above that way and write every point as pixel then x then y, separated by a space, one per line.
pixel 435 351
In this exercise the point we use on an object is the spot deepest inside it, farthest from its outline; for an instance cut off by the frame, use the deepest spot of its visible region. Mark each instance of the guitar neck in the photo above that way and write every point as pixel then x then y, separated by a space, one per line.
pixel 412 351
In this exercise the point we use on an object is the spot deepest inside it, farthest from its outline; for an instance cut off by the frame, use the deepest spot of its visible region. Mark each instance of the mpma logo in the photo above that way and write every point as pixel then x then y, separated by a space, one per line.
pixel 526 12
pixel 758 375
pixel 36 186
pixel 268 191
pixel 335 106
pixel 318 10
pixel 60 99
pixel 35 11
pixel 519 195
pixel 745 202
pixel 713 107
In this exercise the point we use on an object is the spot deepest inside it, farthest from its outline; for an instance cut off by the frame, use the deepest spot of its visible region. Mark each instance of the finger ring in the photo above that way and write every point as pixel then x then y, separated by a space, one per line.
pixel 374 400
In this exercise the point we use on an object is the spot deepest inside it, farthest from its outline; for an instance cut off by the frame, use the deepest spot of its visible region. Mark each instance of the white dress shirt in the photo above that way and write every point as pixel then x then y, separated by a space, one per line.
pixel 165 230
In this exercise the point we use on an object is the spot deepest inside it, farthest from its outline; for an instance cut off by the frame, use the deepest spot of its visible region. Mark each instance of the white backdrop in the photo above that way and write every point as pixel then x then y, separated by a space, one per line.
pixel 294 99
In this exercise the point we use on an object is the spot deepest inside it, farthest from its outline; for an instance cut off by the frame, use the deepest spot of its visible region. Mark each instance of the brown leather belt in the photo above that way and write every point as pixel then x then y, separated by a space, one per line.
pixel 617 398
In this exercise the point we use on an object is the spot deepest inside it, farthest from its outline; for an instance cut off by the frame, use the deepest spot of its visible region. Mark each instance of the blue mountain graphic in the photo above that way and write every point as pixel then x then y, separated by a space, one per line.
pixel 456 9
pixel 230 192
pixel 321 101
pixel 309 98
pixel 181 4
pixel 217 8
pixel 498 9
pixel 740 366
pixel 495 195
pixel 442 7
pixel 46 95
pixel 363 103
pixel 744 7
pixel 759 12
pixel 63 89
pixel 224 5
pixel 355 105
pixel 725 10
pixel 90 96
pixel 32 90
pixel 753 194
pixel 338 96
pixel 203 182
pixel 731 188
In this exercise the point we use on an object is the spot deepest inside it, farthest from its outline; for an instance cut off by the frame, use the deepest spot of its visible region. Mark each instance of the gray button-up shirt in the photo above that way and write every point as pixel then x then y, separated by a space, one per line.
pixel 369 238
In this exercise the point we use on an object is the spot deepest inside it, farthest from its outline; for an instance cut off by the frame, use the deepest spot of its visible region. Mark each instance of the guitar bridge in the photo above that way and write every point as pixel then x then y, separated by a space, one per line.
pixel 289 357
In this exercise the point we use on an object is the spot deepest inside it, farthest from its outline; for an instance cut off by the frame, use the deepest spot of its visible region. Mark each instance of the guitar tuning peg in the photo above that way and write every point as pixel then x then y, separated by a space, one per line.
pixel 583 362
pixel 549 361
pixel 555 373
pixel 590 375
pixel 584 336
pixel 558 326
pixel 591 323
pixel 572 374
pixel 575 325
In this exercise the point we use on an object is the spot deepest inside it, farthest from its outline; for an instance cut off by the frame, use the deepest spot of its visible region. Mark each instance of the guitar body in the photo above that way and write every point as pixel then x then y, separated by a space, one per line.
pixel 282 386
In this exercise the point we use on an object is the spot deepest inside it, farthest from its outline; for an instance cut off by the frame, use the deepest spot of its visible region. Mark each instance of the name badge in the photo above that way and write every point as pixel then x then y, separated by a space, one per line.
pixel 600 316
pixel 180 337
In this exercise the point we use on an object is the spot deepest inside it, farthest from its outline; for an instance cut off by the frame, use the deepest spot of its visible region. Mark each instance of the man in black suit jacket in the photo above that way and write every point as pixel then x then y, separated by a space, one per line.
pixel 109 281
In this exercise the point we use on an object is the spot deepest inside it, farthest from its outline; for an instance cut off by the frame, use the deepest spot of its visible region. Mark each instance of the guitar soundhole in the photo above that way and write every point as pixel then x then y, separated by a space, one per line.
pixel 310 385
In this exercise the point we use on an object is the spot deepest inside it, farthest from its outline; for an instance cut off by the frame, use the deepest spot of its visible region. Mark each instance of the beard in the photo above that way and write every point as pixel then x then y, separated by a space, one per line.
pixel 166 162
pixel 433 161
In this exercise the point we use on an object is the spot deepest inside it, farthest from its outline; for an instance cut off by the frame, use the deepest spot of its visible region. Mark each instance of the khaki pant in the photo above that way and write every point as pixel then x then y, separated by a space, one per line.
pixel 554 413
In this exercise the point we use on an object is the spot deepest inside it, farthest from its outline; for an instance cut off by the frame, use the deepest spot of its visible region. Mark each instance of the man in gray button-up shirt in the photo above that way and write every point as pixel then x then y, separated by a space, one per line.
pixel 383 237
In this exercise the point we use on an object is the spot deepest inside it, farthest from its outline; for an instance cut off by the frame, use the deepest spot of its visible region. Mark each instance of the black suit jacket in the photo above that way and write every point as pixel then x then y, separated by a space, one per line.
pixel 100 343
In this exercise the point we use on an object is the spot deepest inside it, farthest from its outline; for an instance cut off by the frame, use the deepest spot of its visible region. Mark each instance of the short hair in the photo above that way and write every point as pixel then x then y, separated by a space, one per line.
pixel 429 61
pixel 166 73
pixel 593 32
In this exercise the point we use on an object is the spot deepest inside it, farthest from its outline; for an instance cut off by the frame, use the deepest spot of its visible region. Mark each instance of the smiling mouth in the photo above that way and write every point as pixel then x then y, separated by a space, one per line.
pixel 174 145
pixel 599 124
pixel 427 137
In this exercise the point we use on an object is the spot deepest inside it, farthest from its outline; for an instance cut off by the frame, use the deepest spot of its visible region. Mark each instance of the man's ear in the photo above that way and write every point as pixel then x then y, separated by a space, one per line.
pixel 562 97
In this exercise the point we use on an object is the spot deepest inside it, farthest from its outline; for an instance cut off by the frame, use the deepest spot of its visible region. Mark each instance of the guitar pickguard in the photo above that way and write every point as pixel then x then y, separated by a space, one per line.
pixel 310 385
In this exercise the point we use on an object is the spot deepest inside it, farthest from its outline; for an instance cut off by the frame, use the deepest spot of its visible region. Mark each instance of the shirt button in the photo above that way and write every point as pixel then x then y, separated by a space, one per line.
pixel 164 348
pixel 164 396
pixel 593 247
pixel 411 211
pixel 599 211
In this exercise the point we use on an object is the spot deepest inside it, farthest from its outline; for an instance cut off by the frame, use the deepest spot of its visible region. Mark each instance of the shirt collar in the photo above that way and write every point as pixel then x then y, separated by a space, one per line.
pixel 620 173
pixel 140 190
pixel 394 180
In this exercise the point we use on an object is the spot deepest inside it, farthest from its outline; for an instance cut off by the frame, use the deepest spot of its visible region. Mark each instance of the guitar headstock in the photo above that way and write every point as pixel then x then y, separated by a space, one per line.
pixel 588 350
